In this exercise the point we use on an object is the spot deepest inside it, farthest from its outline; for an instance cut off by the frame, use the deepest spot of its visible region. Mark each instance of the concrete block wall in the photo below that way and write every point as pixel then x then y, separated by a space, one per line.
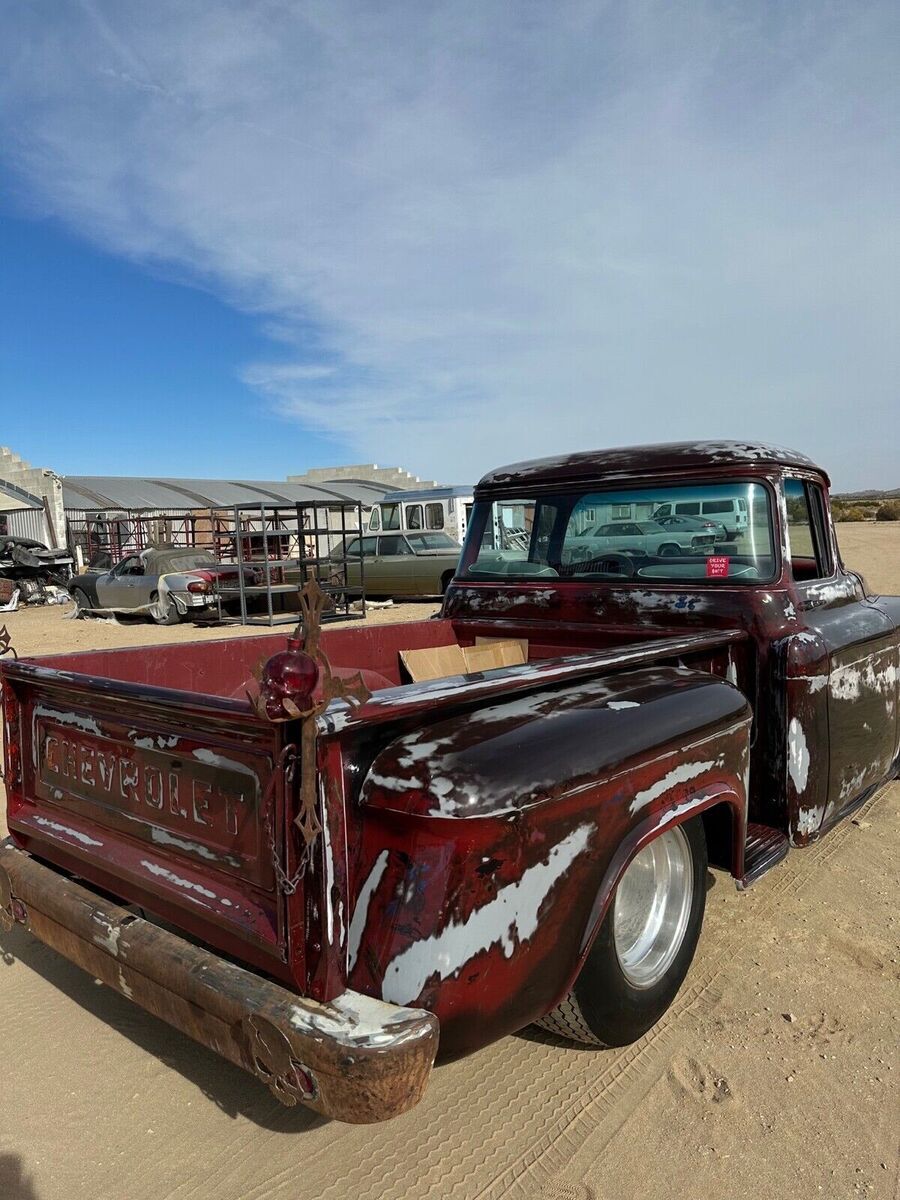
pixel 40 482
pixel 389 476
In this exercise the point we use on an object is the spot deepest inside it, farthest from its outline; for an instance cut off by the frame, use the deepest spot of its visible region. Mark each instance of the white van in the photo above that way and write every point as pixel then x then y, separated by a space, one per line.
pixel 730 512
pixel 445 508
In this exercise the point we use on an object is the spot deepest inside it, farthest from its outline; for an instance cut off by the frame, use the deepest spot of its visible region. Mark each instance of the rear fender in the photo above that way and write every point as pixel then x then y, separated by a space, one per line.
pixel 492 842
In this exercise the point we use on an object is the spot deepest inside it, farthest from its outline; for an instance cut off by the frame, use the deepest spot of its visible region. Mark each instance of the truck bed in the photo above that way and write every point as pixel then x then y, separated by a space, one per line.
pixel 147 772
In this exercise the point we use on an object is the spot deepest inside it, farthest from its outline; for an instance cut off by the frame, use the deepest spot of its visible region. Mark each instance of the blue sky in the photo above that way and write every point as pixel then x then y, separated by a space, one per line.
pixel 109 368
pixel 245 238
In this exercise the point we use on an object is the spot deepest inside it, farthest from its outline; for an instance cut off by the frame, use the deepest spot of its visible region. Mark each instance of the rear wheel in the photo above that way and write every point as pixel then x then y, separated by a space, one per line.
pixel 669 550
pixel 645 945
pixel 170 614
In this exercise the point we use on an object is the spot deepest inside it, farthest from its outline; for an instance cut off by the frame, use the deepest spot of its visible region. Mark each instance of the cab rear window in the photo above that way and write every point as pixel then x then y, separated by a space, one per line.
pixel 577 536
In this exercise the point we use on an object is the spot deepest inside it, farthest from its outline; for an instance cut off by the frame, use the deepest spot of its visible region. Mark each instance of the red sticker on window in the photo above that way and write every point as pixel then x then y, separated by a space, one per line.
pixel 717 566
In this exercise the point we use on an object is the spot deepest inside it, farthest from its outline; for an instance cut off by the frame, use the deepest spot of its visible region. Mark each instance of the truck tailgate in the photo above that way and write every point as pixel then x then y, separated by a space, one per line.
pixel 165 799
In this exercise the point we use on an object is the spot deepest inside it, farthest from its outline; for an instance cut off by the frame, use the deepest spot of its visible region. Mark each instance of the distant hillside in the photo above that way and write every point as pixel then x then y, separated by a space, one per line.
pixel 871 496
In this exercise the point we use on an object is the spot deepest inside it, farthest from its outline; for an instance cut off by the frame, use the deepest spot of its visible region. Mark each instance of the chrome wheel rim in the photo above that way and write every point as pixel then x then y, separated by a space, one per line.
pixel 652 908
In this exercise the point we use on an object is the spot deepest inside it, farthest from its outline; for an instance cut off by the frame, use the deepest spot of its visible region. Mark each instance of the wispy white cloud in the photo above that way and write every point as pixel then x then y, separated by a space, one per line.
pixel 486 231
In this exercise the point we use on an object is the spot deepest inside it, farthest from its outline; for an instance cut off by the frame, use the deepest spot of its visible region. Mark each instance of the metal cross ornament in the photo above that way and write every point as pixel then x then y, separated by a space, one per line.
pixel 298 684
pixel 6 646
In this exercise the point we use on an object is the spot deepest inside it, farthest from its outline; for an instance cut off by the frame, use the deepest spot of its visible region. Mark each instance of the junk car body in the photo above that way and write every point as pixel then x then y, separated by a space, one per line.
pixel 327 877
pixel 400 564
pixel 167 584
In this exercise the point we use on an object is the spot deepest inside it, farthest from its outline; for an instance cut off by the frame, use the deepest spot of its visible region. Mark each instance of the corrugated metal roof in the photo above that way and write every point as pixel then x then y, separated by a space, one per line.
pixel 95 493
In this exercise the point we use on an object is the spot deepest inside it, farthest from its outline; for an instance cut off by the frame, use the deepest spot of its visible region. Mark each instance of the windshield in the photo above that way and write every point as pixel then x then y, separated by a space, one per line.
pixel 616 535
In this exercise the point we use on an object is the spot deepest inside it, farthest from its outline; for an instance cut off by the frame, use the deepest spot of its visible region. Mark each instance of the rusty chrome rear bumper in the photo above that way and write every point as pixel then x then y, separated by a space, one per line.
pixel 355 1059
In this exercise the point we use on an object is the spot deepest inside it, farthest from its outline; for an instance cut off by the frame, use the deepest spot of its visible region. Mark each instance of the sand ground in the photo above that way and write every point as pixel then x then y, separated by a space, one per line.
pixel 774 1075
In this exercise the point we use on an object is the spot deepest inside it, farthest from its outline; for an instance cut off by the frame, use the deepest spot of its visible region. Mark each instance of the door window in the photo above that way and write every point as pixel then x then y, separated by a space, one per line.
pixel 688 508
pixel 369 547
pixel 393 545
pixel 414 516
pixel 434 516
pixel 131 566
pixel 390 514
pixel 807 540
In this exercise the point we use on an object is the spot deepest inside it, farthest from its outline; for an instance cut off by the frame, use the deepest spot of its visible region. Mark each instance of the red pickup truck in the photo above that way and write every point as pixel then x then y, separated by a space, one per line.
pixel 319 873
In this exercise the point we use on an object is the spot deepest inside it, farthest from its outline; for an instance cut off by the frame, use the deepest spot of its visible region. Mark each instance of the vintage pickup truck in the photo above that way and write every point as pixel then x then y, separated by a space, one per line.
pixel 319 873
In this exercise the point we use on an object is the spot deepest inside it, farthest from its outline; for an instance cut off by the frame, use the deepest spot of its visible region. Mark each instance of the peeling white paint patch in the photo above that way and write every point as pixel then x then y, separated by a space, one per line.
pixel 392 784
pixel 847 682
pixel 790 612
pixel 617 704
pixel 219 760
pixel 187 884
pixel 809 820
pixel 336 717
pixel 731 672
pixel 328 855
pixel 123 985
pixel 88 724
pixel 510 919
pixel 680 774
pixel 46 823
pixel 109 938
pixel 798 755
pixel 361 912
pixel 853 784
pixel 671 815
pixel 356 1020
pixel 414 751
pixel 163 838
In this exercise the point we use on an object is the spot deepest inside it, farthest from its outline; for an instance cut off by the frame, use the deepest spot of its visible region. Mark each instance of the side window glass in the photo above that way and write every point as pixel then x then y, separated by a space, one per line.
pixel 414 516
pixel 391 515
pixel 353 547
pixel 806 531
pixel 688 508
pixel 392 545
pixel 375 519
pixel 434 516
pixel 369 547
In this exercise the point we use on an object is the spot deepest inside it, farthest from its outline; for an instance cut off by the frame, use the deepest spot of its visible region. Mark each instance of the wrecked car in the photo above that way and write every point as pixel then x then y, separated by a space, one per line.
pixel 34 571
pixel 328 858
pixel 167 584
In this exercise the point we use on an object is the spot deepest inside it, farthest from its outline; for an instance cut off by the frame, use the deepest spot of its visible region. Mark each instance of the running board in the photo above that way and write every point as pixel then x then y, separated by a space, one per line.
pixel 765 848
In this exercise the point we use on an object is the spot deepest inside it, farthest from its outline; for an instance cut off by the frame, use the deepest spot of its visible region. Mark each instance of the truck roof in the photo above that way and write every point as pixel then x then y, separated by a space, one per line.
pixel 628 462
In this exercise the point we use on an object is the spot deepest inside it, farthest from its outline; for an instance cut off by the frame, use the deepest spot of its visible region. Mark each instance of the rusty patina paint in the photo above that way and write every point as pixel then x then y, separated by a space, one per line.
pixel 472 828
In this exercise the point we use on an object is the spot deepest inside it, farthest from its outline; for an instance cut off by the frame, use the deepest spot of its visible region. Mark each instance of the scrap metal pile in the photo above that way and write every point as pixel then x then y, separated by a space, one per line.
pixel 32 573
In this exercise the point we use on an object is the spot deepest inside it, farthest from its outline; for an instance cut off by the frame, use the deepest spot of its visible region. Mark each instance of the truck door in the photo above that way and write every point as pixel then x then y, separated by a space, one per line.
pixel 862 646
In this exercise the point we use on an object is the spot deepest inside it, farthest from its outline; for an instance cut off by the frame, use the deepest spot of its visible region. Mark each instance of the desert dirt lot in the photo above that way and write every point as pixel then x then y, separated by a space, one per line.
pixel 776 1073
